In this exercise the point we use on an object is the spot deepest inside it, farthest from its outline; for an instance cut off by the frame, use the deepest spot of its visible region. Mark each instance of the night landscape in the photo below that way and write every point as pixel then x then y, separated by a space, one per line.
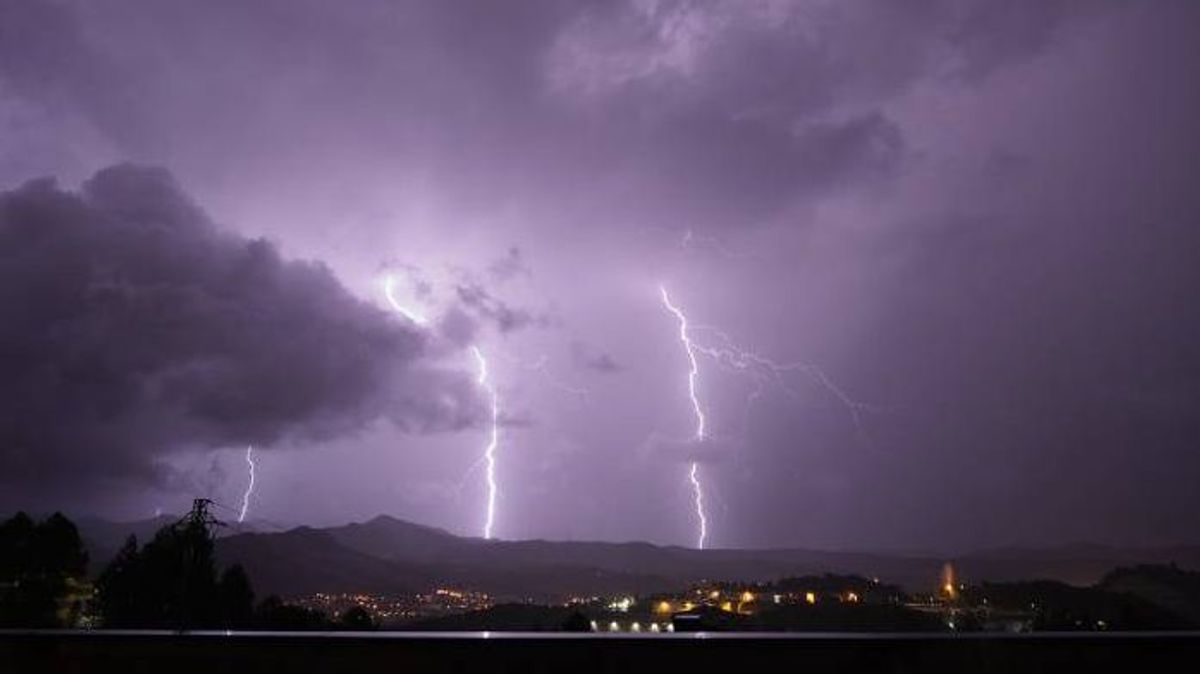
pixel 540 335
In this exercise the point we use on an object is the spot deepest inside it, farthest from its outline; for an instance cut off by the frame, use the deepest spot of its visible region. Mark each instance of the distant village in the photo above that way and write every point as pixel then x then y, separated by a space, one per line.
pixel 809 603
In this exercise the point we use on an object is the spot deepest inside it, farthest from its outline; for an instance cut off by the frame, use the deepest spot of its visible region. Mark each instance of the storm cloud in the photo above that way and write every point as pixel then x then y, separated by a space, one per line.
pixel 978 218
pixel 133 326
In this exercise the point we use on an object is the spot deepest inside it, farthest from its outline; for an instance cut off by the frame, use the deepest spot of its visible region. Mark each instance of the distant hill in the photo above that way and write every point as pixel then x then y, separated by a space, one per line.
pixel 389 555
pixel 304 561
pixel 104 538
pixel 1077 564
pixel 531 568
pixel 1170 587
pixel 391 538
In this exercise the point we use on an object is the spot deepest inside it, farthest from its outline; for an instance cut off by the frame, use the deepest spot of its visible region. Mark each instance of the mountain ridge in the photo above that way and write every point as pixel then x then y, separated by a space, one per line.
pixel 389 555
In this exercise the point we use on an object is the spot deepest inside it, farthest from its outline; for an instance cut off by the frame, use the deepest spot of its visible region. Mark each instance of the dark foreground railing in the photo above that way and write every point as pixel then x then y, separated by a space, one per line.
pixel 743 653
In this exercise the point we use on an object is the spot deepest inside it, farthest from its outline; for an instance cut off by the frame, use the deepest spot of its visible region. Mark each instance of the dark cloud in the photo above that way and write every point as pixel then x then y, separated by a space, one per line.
pixel 485 306
pixel 133 326
pixel 1034 325
pixel 584 357
pixel 987 35
pixel 509 267
pixel 715 114
pixel 976 215
pixel 731 114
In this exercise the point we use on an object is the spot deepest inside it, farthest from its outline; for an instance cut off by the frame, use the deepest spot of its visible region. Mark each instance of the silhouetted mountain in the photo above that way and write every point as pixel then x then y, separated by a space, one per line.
pixel 507 562
pixel 1170 587
pixel 1077 564
pixel 388 555
pixel 305 561
pixel 1057 606
pixel 104 538
pixel 390 538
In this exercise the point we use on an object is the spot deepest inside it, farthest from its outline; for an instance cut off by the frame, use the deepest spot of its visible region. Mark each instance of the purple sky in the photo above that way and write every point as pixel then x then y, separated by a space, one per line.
pixel 979 221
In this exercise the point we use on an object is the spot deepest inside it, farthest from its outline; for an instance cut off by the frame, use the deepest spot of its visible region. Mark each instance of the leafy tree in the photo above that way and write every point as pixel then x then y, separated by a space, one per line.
pixel 57 547
pixel 172 581
pixel 119 593
pixel 275 614
pixel 42 568
pixel 16 539
pixel 357 618
pixel 236 598
pixel 577 622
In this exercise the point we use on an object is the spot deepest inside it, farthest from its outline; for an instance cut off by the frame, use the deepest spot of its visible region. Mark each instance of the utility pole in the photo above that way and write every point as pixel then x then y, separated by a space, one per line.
pixel 194 530
pixel 199 516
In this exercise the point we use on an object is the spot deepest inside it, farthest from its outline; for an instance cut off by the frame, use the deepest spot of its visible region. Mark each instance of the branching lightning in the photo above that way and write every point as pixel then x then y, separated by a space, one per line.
pixel 765 370
pixel 250 486
pixel 489 452
pixel 693 374
pixel 541 366
pixel 691 240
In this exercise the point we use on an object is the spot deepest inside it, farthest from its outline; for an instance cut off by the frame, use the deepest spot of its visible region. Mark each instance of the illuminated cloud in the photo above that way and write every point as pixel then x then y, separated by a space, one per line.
pixel 134 326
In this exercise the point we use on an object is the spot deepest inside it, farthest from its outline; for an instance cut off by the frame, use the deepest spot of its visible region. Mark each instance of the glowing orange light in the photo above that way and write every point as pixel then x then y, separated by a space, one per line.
pixel 948 580
pixel 747 596
pixel 810 597
pixel 664 607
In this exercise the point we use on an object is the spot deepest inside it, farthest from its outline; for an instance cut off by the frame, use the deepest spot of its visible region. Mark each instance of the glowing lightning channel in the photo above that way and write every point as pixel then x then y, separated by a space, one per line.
pixel 249 487
pixel 389 291
pixel 765 370
pixel 698 499
pixel 693 373
pixel 489 452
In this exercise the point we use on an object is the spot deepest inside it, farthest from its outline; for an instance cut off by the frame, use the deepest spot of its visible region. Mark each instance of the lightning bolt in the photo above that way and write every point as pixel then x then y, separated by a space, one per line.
pixel 389 292
pixel 489 452
pixel 693 374
pixel 693 241
pixel 250 486
pixel 764 370
pixel 698 501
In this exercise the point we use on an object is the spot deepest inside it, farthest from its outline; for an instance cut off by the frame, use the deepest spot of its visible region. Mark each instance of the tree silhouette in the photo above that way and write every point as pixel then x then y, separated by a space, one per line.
pixel 120 595
pixel 576 622
pixel 236 598
pixel 172 581
pixel 42 570
pixel 275 614
pixel 357 618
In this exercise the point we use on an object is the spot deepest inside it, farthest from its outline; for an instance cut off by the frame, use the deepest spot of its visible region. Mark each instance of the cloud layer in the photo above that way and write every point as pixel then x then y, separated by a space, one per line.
pixel 978 216
pixel 133 327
